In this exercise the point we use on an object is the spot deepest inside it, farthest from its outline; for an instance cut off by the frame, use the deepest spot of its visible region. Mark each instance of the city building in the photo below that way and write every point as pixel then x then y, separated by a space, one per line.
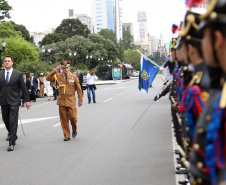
pixel 38 36
pixel 142 27
pixel 85 19
pixel 107 15
pixel 127 27
pixel 153 44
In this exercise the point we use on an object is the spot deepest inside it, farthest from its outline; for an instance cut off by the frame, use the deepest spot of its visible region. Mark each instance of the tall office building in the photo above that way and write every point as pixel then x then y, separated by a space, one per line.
pixel 105 15
pixel 85 19
pixel 127 27
pixel 142 27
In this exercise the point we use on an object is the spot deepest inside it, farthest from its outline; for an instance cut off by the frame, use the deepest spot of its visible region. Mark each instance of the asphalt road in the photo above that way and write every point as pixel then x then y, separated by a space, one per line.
pixel 123 139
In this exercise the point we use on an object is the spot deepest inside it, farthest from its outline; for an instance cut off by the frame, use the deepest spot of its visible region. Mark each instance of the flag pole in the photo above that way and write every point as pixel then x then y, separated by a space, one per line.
pixel 148 59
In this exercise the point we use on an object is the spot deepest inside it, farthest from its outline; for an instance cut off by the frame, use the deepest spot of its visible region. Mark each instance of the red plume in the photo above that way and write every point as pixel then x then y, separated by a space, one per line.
pixel 174 28
pixel 194 3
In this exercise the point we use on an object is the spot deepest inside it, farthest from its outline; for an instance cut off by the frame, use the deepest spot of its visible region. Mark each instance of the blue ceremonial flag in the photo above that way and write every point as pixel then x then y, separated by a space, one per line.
pixel 147 74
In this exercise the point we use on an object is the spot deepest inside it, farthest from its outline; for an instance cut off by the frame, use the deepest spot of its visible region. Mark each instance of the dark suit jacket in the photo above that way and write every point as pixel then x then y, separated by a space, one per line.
pixel 80 78
pixel 28 84
pixel 10 94
pixel 35 82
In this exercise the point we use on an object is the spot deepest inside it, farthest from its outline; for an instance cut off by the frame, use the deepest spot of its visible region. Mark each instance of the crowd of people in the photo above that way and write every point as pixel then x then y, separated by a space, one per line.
pixel 60 83
pixel 197 92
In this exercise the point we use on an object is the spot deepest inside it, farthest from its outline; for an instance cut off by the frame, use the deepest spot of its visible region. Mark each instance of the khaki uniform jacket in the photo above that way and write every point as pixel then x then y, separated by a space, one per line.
pixel 67 88
pixel 41 80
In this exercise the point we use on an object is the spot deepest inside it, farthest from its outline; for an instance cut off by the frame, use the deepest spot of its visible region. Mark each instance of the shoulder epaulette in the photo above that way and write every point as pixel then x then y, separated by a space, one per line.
pixel 196 78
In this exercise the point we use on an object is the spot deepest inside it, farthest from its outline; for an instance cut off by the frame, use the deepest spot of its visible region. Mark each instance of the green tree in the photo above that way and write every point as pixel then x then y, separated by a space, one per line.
pixel 53 38
pixel 4 10
pixel 132 57
pixel 21 50
pixel 106 47
pixel 24 31
pixel 108 34
pixel 120 48
pixel 71 27
pixel 127 40
pixel 7 30
pixel 35 67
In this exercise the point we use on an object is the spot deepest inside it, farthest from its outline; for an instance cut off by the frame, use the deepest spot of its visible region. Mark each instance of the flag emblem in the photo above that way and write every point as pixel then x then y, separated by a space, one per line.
pixel 145 75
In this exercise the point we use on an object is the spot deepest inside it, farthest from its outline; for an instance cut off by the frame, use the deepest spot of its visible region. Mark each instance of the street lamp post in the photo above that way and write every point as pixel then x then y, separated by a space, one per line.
pixel 72 56
pixel 46 54
pixel 89 58
pixel 2 50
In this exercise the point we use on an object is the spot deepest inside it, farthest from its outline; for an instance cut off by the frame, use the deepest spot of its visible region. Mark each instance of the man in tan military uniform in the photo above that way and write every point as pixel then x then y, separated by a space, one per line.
pixel 66 99
pixel 42 85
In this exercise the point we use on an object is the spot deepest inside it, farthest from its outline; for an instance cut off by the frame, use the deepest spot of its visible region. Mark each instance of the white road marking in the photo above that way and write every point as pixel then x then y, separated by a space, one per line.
pixel 32 106
pixel 24 121
pixel 58 124
pixel 108 100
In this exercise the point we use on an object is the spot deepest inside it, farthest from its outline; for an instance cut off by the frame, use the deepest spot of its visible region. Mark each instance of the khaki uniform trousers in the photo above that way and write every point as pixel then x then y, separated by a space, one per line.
pixel 42 90
pixel 66 114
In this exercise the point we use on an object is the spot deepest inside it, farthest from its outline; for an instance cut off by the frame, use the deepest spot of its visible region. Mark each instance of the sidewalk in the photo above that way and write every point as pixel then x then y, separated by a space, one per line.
pixel 108 82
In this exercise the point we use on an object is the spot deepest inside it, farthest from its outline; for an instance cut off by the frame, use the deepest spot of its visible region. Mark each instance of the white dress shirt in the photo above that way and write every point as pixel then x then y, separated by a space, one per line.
pixel 32 81
pixel 10 73
pixel 91 79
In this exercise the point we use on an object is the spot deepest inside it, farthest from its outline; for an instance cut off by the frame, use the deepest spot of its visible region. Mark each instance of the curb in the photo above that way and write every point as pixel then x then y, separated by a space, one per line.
pixel 110 82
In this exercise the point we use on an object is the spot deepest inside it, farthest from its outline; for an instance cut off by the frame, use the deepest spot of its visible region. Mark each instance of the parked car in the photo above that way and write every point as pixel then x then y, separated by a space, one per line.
pixel 84 84
pixel 135 74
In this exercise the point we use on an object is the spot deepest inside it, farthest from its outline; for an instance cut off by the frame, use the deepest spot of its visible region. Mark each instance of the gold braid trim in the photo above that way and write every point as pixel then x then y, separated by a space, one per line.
pixel 56 81
pixel 210 8
pixel 190 22
pixel 223 97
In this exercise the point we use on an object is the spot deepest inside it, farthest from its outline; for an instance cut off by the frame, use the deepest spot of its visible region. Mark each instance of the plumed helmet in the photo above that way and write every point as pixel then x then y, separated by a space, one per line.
pixel 216 13
pixel 190 28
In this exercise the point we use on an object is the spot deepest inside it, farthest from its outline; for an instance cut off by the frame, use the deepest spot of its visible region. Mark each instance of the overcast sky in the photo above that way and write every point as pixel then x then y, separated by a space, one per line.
pixel 41 15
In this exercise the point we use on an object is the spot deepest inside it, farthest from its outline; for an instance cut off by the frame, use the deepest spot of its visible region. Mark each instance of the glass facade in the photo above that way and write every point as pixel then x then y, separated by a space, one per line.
pixel 105 13
pixel 110 14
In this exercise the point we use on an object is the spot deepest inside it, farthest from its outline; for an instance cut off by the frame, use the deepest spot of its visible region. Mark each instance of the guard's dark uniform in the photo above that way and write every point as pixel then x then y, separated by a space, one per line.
pixel 208 156
pixel 198 169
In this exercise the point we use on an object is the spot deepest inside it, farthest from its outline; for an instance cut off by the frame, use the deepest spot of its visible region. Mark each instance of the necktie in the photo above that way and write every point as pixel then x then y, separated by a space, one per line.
pixel 66 77
pixel 7 78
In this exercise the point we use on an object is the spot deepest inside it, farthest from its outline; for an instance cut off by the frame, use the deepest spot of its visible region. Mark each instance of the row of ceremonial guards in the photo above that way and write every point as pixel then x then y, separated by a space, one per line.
pixel 198 95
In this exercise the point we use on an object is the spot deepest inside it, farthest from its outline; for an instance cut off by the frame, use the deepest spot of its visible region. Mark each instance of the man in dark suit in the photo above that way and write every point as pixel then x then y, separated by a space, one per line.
pixel 28 85
pixel 11 85
pixel 34 86
pixel 80 78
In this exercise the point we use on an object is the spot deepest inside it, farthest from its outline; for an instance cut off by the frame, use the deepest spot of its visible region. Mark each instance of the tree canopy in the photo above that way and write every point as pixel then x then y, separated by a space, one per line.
pixel 127 40
pixel 53 38
pixel 4 10
pixel 7 30
pixel 132 57
pixel 108 34
pixel 21 50
pixel 71 27
pixel 24 31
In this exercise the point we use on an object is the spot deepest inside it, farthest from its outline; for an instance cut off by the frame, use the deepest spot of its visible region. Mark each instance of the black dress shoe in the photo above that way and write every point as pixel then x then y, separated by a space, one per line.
pixel 89 101
pixel 183 182
pixel 74 134
pixel 177 152
pixel 94 102
pixel 10 148
pixel 178 167
pixel 181 171
pixel 66 139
